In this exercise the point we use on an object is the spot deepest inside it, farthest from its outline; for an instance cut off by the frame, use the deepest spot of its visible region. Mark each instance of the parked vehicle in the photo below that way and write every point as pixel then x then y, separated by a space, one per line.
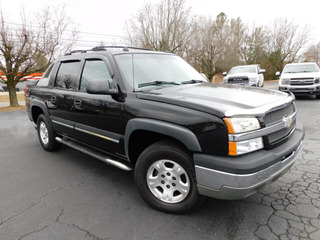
pixel 300 78
pixel 5 88
pixel 151 112
pixel 251 75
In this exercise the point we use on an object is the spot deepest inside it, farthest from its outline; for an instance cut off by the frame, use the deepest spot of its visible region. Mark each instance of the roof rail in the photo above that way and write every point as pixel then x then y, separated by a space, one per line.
pixel 76 51
pixel 125 48
pixel 104 48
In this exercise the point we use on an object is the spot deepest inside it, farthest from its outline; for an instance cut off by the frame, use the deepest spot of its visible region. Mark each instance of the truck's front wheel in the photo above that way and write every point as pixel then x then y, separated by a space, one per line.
pixel 165 177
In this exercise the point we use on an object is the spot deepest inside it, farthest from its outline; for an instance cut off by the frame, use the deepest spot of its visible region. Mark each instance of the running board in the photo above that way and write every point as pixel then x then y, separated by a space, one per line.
pixel 116 163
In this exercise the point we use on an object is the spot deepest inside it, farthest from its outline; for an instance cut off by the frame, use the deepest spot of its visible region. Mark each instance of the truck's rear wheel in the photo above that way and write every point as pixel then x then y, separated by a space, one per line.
pixel 46 134
pixel 165 177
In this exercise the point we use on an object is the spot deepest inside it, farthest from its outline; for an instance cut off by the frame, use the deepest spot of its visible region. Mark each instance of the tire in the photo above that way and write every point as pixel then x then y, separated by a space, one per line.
pixel 318 96
pixel 46 134
pixel 165 177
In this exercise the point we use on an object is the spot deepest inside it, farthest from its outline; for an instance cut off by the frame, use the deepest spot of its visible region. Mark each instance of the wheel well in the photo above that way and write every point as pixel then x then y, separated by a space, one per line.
pixel 141 139
pixel 36 111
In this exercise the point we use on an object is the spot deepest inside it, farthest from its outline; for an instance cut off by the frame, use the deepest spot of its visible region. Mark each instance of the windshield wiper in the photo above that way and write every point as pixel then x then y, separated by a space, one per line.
pixel 193 81
pixel 156 83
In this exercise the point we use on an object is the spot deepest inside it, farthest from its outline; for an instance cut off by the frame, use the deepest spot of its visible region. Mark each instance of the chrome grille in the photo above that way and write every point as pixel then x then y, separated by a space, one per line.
pixel 238 80
pixel 276 116
pixel 301 81
pixel 274 137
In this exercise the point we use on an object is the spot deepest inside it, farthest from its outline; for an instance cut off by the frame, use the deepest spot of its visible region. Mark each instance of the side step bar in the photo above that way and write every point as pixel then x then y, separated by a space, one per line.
pixel 117 163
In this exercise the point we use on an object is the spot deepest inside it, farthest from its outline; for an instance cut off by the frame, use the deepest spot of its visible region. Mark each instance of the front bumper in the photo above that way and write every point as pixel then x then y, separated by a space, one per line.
pixel 240 177
pixel 304 89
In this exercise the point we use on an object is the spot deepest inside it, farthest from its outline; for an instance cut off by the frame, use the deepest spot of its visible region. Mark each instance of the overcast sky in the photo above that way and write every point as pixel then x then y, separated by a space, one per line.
pixel 104 20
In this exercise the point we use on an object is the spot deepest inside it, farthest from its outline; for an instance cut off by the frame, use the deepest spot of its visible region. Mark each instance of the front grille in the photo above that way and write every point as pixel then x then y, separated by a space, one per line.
pixel 276 136
pixel 301 81
pixel 238 80
pixel 276 116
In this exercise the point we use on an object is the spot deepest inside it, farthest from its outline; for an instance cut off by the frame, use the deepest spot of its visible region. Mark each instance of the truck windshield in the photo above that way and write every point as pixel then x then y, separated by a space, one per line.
pixel 244 69
pixel 301 68
pixel 144 71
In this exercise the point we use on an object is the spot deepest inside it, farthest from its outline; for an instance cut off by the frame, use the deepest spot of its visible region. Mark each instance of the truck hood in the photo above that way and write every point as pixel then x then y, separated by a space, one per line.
pixel 249 75
pixel 301 75
pixel 219 99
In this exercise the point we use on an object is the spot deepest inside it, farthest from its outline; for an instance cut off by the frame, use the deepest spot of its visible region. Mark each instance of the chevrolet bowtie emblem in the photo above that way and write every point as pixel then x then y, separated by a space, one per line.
pixel 287 121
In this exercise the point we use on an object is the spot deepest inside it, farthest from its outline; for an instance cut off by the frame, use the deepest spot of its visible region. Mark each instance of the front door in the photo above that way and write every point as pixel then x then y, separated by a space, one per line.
pixel 98 118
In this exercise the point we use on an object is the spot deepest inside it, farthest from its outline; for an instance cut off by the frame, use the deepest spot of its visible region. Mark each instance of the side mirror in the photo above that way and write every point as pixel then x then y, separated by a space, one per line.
pixel 278 73
pixel 224 73
pixel 262 71
pixel 100 87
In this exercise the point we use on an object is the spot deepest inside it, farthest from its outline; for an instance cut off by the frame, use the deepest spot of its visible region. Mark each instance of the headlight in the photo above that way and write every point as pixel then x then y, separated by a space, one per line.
pixel 243 125
pixel 238 148
pixel 225 79
pixel 253 80
pixel 317 80
pixel 240 125
pixel 284 81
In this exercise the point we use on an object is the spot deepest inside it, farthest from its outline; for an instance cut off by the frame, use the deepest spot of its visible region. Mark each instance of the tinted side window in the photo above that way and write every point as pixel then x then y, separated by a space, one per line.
pixel 67 75
pixel 44 80
pixel 94 70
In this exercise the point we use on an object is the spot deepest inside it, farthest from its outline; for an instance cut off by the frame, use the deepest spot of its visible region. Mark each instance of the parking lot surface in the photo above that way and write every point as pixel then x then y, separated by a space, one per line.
pixel 69 195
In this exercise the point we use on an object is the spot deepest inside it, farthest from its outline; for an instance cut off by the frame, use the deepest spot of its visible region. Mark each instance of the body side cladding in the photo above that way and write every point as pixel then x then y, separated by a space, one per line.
pixel 182 134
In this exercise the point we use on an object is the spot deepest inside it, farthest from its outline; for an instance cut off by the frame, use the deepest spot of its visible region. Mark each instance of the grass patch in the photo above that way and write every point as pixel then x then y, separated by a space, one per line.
pixel 9 109
pixel 5 97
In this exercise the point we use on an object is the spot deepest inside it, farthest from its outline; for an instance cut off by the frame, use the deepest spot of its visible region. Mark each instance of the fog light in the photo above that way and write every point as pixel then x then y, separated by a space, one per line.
pixel 238 148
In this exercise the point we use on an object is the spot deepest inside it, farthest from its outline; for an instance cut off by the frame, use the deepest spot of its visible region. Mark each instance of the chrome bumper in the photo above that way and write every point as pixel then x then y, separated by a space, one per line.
pixel 223 185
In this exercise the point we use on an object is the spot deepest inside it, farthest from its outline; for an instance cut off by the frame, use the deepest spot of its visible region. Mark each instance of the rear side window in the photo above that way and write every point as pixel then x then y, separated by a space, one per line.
pixel 44 80
pixel 67 75
pixel 95 69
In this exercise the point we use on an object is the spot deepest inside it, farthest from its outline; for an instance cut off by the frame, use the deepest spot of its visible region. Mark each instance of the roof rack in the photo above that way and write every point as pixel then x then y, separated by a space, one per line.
pixel 125 48
pixel 76 51
pixel 104 48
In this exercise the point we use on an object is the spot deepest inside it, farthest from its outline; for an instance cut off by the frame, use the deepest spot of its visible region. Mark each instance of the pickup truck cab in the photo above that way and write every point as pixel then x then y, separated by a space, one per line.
pixel 300 78
pixel 152 113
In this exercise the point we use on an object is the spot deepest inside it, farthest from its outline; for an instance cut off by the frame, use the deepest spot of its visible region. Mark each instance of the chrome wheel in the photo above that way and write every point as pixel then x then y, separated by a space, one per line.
pixel 44 133
pixel 168 181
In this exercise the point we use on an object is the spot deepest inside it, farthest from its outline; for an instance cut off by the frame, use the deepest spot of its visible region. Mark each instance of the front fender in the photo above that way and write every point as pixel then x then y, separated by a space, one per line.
pixel 180 133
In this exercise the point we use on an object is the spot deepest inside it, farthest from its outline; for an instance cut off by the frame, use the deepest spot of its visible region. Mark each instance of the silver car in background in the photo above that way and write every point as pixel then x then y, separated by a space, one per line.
pixel 251 75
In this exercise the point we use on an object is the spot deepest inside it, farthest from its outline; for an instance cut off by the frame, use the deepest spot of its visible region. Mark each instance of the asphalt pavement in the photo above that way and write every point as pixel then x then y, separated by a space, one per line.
pixel 69 195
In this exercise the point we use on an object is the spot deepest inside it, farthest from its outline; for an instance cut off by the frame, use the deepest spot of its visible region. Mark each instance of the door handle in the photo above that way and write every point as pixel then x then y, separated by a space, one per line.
pixel 53 99
pixel 77 103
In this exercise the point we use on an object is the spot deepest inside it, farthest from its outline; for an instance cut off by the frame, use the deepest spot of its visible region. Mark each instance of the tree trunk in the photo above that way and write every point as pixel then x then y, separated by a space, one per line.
pixel 13 96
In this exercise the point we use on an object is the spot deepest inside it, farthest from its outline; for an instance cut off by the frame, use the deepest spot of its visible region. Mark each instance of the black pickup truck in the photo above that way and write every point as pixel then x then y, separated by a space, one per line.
pixel 151 112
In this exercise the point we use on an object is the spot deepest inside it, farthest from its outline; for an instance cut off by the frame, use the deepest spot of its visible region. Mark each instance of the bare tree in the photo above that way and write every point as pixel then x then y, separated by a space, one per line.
pixel 217 43
pixel 30 46
pixel 254 48
pixel 205 48
pixel 232 41
pixel 285 41
pixel 162 27
pixel 312 53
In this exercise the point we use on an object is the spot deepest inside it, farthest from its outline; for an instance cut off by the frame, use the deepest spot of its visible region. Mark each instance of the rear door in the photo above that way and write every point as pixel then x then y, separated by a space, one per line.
pixel 61 102
pixel 98 118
